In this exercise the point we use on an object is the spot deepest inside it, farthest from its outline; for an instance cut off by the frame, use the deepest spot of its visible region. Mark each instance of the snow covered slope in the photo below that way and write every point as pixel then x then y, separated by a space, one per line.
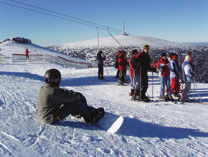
pixel 149 129
pixel 124 40
pixel 10 47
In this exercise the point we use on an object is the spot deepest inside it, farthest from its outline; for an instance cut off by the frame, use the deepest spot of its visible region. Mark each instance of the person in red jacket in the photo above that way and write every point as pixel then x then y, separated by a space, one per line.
pixel 132 69
pixel 164 73
pixel 121 67
pixel 27 54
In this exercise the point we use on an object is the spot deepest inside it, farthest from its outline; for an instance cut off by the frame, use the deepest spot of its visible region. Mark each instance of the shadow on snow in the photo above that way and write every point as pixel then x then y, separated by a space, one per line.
pixel 88 81
pixel 23 74
pixel 137 128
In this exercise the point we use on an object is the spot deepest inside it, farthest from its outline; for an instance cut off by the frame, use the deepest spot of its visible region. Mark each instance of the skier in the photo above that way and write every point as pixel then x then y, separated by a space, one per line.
pixel 187 73
pixel 164 73
pixel 121 66
pixel 174 76
pixel 132 69
pixel 100 58
pixel 27 54
pixel 54 103
pixel 142 61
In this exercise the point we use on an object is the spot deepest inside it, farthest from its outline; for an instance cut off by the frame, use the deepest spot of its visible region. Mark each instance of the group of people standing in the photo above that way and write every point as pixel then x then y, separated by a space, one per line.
pixel 169 74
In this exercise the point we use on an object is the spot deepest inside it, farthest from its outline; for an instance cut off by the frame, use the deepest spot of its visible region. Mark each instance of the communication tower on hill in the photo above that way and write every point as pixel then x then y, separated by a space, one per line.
pixel 124 33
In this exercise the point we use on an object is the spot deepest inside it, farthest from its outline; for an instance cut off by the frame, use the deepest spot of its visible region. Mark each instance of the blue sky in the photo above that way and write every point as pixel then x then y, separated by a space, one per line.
pixel 173 20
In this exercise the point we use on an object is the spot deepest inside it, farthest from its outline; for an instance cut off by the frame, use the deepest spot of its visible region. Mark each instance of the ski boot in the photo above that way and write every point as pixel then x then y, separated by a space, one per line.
pixel 145 98
pixel 170 98
pixel 162 97
pixel 132 92
pixel 135 97
pixel 166 98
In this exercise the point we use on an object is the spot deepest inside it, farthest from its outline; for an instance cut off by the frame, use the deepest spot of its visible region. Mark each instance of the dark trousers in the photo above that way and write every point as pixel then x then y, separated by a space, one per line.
pixel 141 84
pixel 100 70
pixel 74 108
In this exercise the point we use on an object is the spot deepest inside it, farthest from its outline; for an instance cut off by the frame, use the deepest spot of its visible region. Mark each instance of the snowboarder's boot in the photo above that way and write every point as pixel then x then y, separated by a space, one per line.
pixel 88 117
pixel 94 115
pixel 98 114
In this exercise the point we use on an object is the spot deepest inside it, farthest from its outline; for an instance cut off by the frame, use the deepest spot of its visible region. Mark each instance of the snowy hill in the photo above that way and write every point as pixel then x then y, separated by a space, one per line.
pixel 149 129
pixel 124 40
pixel 11 47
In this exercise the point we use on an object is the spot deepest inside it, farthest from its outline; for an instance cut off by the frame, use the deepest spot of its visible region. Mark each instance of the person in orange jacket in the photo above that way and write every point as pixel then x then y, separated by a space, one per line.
pixel 164 73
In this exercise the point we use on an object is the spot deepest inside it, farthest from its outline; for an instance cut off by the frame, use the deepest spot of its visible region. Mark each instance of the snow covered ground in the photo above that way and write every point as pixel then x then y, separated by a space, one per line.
pixel 149 129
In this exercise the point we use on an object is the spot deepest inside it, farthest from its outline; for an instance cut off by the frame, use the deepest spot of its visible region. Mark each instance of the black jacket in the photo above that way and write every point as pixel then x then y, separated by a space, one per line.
pixel 100 59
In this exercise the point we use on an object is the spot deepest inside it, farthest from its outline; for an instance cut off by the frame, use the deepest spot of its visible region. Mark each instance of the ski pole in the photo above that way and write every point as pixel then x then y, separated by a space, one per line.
pixel 154 66
pixel 140 83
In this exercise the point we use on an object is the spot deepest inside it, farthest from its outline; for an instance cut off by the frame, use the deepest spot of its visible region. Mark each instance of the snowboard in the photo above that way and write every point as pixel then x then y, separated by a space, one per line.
pixel 110 122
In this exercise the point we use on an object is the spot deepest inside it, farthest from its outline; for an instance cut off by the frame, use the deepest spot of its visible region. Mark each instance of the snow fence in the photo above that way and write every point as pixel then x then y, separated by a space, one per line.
pixel 3 58
pixel 73 62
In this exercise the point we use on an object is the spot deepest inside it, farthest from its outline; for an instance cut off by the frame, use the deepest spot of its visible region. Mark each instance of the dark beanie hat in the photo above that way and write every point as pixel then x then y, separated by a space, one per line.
pixel 163 54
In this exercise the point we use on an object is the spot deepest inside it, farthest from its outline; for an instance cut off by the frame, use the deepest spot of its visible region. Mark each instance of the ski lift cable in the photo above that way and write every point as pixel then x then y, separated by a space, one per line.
pixel 45 13
pixel 66 17
pixel 115 38
pixel 71 17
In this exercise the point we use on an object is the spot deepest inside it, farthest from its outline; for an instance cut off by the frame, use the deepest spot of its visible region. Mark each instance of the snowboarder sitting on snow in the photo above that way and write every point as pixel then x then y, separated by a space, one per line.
pixel 163 66
pixel 100 58
pixel 54 103
pixel 142 61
